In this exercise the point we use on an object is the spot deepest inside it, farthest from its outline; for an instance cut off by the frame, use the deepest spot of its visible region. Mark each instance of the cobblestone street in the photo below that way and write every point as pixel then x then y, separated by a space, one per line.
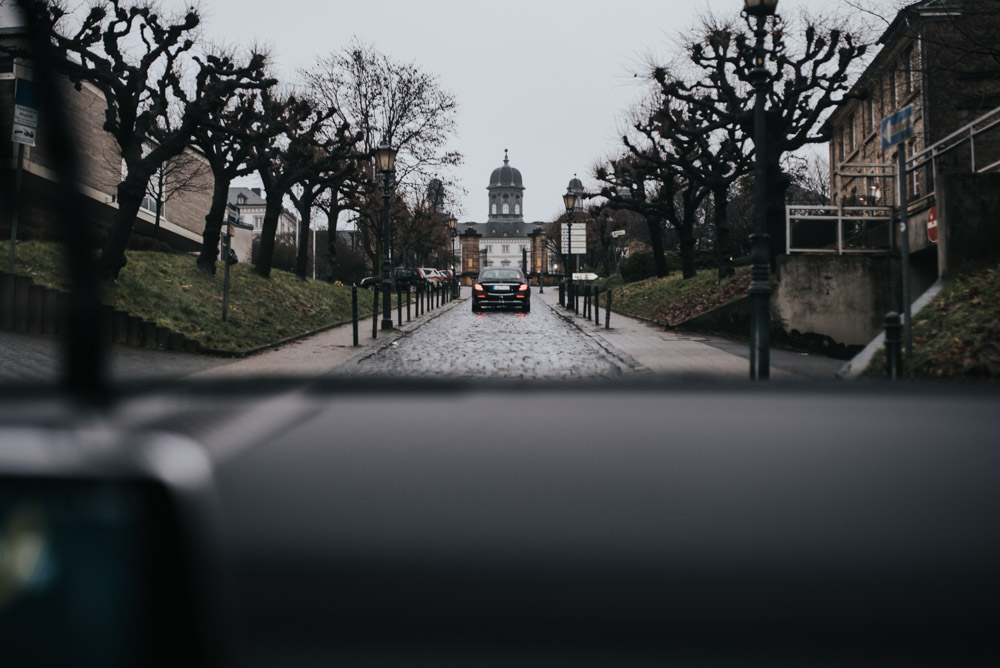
pixel 495 344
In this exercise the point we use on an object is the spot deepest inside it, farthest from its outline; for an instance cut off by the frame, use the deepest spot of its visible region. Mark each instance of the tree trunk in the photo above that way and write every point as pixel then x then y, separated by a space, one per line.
pixel 331 239
pixel 130 194
pixel 656 241
pixel 723 244
pixel 272 212
pixel 304 206
pixel 687 243
pixel 213 225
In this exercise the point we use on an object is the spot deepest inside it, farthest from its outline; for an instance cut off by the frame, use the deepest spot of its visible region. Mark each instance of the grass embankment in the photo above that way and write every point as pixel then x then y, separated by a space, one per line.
pixel 170 291
pixel 671 300
pixel 958 334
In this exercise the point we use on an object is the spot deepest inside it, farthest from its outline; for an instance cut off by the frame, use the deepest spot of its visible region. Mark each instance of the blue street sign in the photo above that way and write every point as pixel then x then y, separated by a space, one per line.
pixel 897 128
pixel 232 214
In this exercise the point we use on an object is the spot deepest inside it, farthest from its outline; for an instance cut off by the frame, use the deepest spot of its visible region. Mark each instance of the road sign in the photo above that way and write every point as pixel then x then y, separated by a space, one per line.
pixel 578 244
pixel 898 127
pixel 617 233
pixel 932 225
pixel 585 277
pixel 25 114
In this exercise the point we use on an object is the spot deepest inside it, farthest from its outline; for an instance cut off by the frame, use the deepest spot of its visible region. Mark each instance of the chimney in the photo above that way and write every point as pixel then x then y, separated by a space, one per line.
pixel 256 192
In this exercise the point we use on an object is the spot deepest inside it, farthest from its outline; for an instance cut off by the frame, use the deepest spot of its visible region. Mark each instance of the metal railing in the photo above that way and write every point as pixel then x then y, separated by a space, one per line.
pixel 985 160
pixel 838 230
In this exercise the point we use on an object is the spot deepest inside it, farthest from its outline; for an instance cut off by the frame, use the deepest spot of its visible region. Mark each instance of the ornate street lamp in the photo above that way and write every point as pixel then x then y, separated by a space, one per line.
pixel 569 200
pixel 385 162
pixel 453 230
pixel 760 272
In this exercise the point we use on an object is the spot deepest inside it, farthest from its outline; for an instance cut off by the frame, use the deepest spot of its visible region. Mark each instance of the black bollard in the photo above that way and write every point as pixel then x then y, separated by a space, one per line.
pixel 562 294
pixel 893 345
pixel 607 312
pixel 586 302
pixel 597 306
pixel 399 307
pixel 375 313
pixel 354 312
pixel 408 293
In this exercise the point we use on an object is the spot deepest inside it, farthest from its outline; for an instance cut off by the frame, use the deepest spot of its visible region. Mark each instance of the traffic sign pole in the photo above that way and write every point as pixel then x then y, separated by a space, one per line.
pixel 904 228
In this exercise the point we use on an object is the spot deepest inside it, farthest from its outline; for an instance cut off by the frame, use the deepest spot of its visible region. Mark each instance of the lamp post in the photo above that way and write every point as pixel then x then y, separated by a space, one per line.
pixel 385 161
pixel 760 272
pixel 453 230
pixel 569 200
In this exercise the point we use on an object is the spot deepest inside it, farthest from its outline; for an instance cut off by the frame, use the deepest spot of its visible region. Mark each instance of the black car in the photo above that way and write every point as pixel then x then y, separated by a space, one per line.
pixel 501 287
pixel 370 282
pixel 409 279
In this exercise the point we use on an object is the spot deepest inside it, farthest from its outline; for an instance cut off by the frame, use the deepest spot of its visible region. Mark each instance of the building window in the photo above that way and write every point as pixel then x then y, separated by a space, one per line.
pixel 872 123
pixel 493 209
pixel 505 263
pixel 505 249
pixel 908 69
pixel 506 208
pixel 852 140
pixel 517 209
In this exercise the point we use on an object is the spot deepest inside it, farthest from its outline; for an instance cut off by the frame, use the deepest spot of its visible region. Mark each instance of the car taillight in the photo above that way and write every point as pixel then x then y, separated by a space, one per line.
pixel 478 286
pixel 524 286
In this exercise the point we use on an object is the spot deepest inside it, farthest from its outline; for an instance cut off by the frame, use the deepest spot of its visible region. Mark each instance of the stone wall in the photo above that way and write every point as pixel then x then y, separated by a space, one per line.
pixel 841 297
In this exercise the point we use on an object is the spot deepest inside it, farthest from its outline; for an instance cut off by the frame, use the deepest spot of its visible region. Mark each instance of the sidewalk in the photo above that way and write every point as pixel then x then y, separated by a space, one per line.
pixel 663 352
pixel 323 352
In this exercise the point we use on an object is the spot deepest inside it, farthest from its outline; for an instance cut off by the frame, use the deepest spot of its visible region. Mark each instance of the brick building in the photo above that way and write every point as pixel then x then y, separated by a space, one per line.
pixel 182 216
pixel 941 56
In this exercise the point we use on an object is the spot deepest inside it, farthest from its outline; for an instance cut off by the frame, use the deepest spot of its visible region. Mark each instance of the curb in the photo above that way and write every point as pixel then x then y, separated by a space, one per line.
pixel 622 358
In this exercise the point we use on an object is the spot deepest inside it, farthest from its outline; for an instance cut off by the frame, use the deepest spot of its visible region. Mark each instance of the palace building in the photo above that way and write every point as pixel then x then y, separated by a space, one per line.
pixel 505 239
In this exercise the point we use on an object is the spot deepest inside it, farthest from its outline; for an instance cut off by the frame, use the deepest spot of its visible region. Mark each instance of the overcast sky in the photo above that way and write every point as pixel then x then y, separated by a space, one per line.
pixel 546 79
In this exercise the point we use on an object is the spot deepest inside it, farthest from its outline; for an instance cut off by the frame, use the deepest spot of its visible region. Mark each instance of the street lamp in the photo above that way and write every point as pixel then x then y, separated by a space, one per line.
pixel 569 200
pixel 453 230
pixel 385 162
pixel 760 272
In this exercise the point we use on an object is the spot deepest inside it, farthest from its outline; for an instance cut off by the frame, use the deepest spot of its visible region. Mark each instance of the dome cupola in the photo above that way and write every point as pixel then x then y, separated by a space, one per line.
pixel 506 194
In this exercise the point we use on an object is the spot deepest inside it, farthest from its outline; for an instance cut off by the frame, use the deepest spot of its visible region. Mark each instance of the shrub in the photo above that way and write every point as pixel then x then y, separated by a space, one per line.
pixel 638 265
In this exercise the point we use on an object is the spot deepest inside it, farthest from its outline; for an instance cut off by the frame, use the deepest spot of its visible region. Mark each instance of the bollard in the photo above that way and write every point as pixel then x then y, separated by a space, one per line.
pixel 586 302
pixel 354 312
pixel 607 312
pixel 408 293
pixel 562 294
pixel 576 299
pixel 893 345
pixel 399 307
pixel 597 306
pixel 375 313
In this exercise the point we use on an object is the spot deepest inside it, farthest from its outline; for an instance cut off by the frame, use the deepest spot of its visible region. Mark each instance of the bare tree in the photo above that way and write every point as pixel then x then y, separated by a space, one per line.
pixel 810 77
pixel 141 86
pixel 178 174
pixel 227 138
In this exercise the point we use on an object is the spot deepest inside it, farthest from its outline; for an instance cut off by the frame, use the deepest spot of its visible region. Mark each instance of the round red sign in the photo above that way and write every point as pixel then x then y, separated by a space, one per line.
pixel 932 225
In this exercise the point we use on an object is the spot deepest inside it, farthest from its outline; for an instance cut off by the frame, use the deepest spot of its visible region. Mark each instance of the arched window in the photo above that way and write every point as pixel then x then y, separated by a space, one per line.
pixel 493 209
pixel 517 209
pixel 506 208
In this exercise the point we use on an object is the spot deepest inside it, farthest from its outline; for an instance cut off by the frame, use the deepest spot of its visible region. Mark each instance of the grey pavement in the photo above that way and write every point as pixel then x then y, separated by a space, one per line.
pixel 549 342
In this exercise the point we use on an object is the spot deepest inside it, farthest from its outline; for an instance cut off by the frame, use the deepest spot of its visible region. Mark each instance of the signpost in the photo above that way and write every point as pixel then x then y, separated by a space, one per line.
pixel 25 126
pixel 585 276
pixel 232 222
pixel 574 241
pixel 896 129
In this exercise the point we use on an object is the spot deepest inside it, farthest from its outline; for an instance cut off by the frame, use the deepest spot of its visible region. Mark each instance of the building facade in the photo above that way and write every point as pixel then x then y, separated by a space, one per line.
pixel 932 58
pixel 505 239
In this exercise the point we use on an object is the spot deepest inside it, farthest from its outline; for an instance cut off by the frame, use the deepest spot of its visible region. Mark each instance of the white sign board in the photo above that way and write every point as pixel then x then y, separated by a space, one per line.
pixel 897 128
pixel 617 233
pixel 585 277
pixel 577 245
pixel 25 114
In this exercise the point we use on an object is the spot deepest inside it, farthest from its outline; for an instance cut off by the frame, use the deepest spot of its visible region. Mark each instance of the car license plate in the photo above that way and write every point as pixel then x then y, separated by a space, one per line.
pixel 501 288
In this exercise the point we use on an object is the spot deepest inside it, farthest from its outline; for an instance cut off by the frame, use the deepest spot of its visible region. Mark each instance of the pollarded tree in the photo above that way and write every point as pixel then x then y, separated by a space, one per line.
pixel 135 56
pixel 227 139
pixel 303 147
pixel 809 76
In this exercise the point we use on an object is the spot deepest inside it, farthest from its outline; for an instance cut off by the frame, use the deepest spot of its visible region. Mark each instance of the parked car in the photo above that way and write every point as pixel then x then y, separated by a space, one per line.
pixel 501 287
pixel 446 275
pixel 431 275
pixel 409 279
pixel 370 282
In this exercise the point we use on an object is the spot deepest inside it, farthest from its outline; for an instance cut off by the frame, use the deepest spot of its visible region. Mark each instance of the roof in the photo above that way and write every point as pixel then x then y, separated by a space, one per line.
pixel 252 198
pixel 514 230
pixel 506 176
